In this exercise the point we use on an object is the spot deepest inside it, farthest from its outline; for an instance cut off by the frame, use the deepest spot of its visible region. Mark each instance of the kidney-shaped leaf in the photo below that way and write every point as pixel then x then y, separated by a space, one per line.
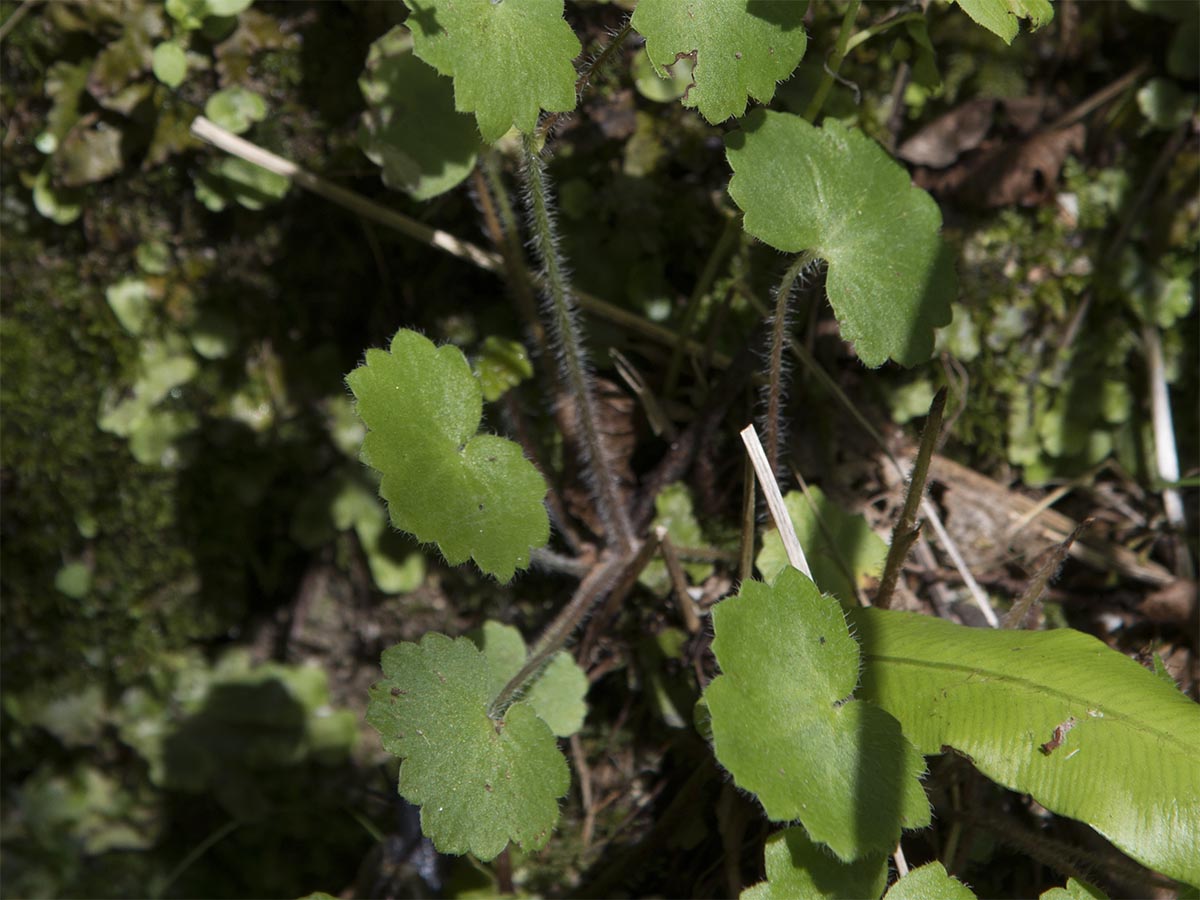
pixel 479 782
pixel 410 128
pixel 796 867
pixel 742 48
pixel 508 60
pixel 475 495
pixel 784 725
pixel 558 691
pixel 1083 729
pixel 836 193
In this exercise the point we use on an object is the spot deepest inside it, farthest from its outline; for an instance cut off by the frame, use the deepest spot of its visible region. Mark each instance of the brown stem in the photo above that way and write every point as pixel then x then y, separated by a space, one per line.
pixel 1048 569
pixel 775 368
pixel 906 532
pixel 592 589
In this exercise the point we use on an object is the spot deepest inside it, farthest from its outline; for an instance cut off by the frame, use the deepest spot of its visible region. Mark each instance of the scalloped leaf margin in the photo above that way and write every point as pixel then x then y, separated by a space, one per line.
pixel 742 49
pixel 835 192
pixel 784 725
pixel 479 782
pixel 476 496
pixel 509 61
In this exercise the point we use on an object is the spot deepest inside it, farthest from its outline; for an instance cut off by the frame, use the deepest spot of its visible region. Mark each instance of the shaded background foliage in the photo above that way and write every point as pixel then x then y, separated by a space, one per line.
pixel 194 605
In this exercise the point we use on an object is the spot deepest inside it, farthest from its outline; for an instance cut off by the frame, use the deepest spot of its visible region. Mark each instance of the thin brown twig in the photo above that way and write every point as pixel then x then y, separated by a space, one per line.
pixel 906 531
pixel 1048 569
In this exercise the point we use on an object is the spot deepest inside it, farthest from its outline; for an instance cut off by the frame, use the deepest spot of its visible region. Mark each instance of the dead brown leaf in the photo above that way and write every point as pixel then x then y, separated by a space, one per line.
pixel 941 142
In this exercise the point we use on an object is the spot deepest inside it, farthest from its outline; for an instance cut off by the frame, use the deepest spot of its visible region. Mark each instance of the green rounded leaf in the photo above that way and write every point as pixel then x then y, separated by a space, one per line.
pixel 169 62
pixel 743 48
pixel 558 691
pixel 410 128
pixel 476 496
pixel 1002 17
pixel 842 550
pixel 502 364
pixel 480 783
pixel 673 511
pixel 509 61
pixel 236 108
pixel 784 725
pixel 929 882
pixel 796 867
pixel 1084 730
pixel 836 193
pixel 74 579
pixel 1075 890
pixel 129 300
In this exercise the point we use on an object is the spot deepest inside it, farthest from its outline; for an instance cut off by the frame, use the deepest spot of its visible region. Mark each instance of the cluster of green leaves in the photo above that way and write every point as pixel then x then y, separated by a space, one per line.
pixel 126 99
pixel 788 715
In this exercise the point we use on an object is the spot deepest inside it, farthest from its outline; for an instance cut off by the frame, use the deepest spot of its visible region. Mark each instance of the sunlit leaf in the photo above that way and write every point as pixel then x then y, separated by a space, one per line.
pixel 169 63
pixel 1075 890
pixel 929 882
pixel 479 782
pixel 557 694
pixel 1058 715
pixel 784 725
pixel 235 108
pixel 509 61
pixel 742 48
pixel 841 549
pixel 835 192
pixel 1002 17
pixel 476 496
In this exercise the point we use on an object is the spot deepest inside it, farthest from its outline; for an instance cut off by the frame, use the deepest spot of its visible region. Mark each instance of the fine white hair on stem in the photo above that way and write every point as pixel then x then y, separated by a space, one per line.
pixel 778 366
pixel 561 312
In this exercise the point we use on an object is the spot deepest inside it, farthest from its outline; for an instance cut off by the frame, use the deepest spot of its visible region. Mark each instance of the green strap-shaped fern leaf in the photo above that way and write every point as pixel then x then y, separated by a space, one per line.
pixel 1084 730
pixel 476 496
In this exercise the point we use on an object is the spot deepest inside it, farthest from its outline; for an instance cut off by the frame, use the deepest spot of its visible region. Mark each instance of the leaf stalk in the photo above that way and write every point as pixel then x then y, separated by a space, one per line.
pixel 560 309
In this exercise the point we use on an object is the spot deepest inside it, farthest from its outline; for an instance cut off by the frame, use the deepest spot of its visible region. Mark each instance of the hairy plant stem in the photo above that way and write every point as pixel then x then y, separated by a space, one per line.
pixel 501 224
pixel 559 308
pixel 906 532
pixel 775 393
pixel 831 68
pixel 432 237
pixel 581 83
pixel 591 590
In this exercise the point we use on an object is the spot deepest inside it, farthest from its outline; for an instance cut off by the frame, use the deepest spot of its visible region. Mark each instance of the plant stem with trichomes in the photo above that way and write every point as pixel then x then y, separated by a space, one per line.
pixel 779 328
pixel 560 309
